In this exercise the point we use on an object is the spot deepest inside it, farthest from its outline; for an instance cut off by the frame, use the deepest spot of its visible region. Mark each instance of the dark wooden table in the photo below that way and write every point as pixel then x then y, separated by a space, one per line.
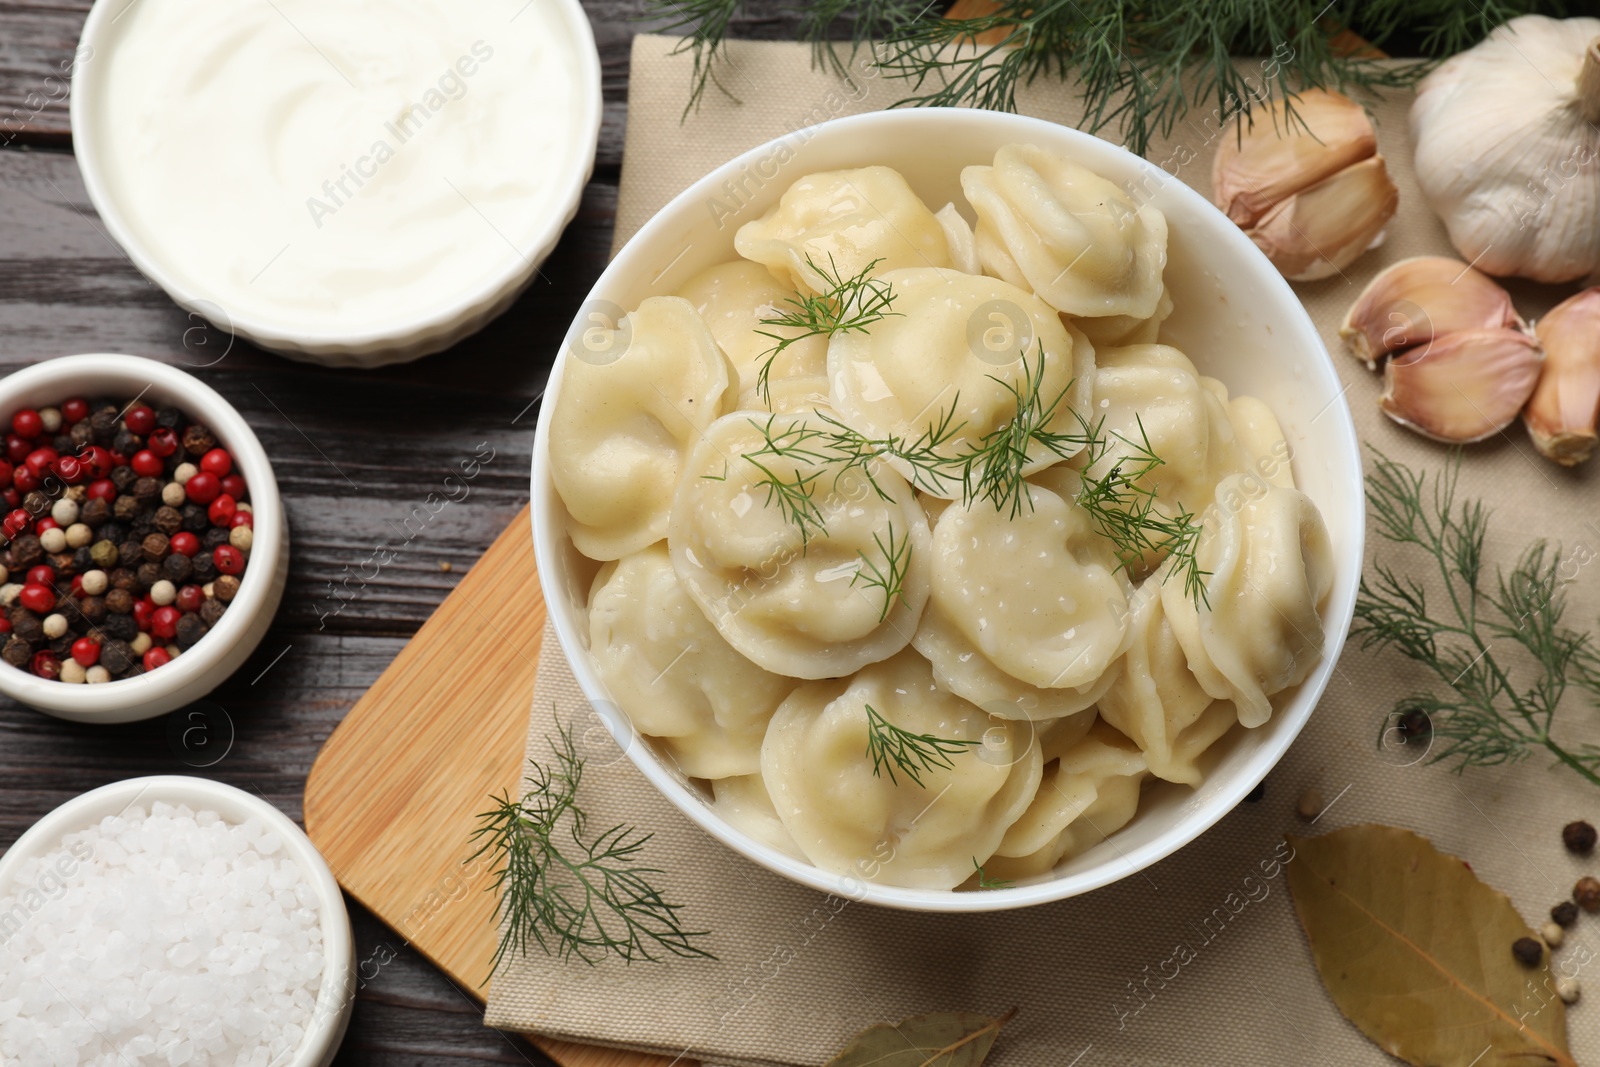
pixel 354 452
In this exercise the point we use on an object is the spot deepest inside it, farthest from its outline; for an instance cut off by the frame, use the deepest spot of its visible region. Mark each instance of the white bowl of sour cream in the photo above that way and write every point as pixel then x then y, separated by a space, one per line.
pixel 353 184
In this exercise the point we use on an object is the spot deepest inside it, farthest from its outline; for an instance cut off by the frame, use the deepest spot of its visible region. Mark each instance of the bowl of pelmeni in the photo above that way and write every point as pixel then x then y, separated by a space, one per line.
pixel 965 517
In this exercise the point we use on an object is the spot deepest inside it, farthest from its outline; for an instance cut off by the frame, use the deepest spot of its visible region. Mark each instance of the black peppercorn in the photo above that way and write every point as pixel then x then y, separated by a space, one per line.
pixel 125 579
pixel 225 588
pixel 119 601
pixel 36 503
pixel 168 520
pixel 141 528
pixel 1564 913
pixel 149 574
pixel 116 655
pixel 62 646
pixel 126 442
pixel 25 624
pixel 122 627
pixel 211 611
pixel 82 560
pixel 94 512
pixel 195 519
pixel 214 538
pixel 113 531
pixel 126 507
pixel 198 440
pixel 62 443
pixel 170 418
pixel 81 434
pixel 17 651
pixel 1578 837
pixel 27 551
pixel 61 562
pixel 104 423
pixel 130 553
pixel 190 630
pixel 1528 951
pixel 93 608
pixel 204 568
pixel 1587 893
pixel 148 490
pixel 156 547
pixel 176 568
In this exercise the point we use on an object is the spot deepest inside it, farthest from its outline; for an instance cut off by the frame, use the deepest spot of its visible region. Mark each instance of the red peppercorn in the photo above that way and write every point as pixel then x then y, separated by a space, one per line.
pixel 146 464
pixel 27 423
pixel 156 657
pixel 233 485
pixel 229 560
pixel 203 487
pixel 12 498
pixel 17 448
pixel 104 489
pixel 37 598
pixel 5 625
pixel 243 518
pixel 25 480
pixel 77 586
pixel 46 665
pixel 140 419
pixel 75 410
pixel 41 575
pixel 142 610
pixel 40 460
pixel 46 523
pixel 218 462
pixel 70 469
pixel 222 509
pixel 190 598
pixel 86 652
pixel 5 473
pixel 98 460
pixel 184 543
pixel 162 441
pixel 164 622
pixel 15 523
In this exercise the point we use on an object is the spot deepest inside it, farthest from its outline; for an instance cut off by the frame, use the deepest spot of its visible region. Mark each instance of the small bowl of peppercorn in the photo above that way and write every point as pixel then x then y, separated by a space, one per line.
pixel 143 546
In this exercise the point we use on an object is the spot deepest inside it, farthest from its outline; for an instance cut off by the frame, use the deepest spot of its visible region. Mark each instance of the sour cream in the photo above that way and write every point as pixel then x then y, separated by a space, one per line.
pixel 351 167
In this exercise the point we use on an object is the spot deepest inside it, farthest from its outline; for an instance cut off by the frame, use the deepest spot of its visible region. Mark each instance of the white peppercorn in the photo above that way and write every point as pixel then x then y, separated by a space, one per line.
pixel 1552 934
pixel 141 644
pixel 163 593
pixel 78 535
pixel 51 419
pixel 95 582
pixel 241 537
pixel 172 495
pixel 184 472
pixel 8 593
pixel 55 625
pixel 53 540
pixel 72 671
pixel 97 675
pixel 1568 989
pixel 65 512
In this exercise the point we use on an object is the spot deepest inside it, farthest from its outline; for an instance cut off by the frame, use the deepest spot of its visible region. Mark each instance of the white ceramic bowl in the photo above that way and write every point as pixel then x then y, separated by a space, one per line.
pixel 428 329
pixel 222 651
pixel 331 1016
pixel 1235 317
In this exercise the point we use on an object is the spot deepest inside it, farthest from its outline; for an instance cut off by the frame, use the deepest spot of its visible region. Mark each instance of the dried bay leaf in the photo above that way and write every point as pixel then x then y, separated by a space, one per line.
pixel 1417 952
pixel 943 1039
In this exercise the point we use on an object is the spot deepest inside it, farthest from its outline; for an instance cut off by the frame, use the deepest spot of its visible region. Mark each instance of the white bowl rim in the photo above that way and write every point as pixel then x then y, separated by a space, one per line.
pixel 1339 606
pixel 75 373
pixel 275 333
pixel 230 802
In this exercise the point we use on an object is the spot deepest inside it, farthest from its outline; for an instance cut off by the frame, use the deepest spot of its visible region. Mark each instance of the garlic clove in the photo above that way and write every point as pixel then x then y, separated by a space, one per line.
pixel 1415 300
pixel 1464 386
pixel 1260 165
pixel 1561 416
pixel 1319 231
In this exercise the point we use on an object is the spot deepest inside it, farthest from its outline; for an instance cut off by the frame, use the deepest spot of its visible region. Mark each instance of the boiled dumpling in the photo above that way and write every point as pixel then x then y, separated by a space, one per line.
pixel 958 235
pixel 1269 564
pixel 959 345
pixel 1155 701
pixel 842 221
pixel 734 298
pixel 798 600
pixel 1261 438
pixel 744 802
pixel 1038 595
pixel 787 396
pixel 674 675
pixel 1079 241
pixel 857 823
pixel 624 419
pixel 1089 790
pixel 1119 331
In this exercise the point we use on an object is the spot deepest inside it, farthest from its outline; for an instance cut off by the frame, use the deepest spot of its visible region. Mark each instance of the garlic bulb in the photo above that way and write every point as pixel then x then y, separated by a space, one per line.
pixel 1561 416
pixel 1311 191
pixel 1508 151
pixel 1414 300
pixel 1463 386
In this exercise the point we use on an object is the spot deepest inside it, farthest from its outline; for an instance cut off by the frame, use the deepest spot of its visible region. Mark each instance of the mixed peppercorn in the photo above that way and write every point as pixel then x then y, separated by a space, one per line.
pixel 125 533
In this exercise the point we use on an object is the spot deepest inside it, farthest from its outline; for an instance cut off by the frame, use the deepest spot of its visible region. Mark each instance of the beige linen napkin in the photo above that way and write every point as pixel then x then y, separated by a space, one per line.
pixel 1098 979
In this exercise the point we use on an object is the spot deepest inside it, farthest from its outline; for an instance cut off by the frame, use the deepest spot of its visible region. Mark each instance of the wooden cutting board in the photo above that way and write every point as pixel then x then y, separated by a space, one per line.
pixel 393 796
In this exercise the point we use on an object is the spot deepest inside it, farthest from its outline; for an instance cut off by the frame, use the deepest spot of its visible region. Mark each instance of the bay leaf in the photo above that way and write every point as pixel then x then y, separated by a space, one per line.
pixel 1416 951
pixel 943 1039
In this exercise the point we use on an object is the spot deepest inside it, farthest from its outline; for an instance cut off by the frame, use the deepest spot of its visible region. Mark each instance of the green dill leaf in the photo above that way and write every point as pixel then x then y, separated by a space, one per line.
pixel 890 578
pixel 845 305
pixel 889 747
pixel 985 882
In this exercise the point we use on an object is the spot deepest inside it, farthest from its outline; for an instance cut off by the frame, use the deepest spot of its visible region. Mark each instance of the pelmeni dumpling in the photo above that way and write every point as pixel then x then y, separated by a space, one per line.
pixel 744 802
pixel 1261 439
pixel 1079 241
pixel 859 823
pixel 1269 564
pixel 842 221
pixel 1119 331
pixel 962 346
pixel 958 235
pixel 1038 594
pixel 814 605
pixel 678 680
pixel 1154 700
pixel 733 298
pixel 787 396
pixel 631 403
pixel 1089 790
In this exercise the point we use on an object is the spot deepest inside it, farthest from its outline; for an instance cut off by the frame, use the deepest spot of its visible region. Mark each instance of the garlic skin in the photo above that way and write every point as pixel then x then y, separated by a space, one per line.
pixel 1463 387
pixel 1415 300
pixel 1507 150
pixel 1562 414
pixel 1311 191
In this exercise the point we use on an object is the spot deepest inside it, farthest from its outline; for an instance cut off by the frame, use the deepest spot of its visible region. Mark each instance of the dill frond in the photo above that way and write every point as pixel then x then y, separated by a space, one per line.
pixel 889 747
pixel 845 305
pixel 985 882
pixel 890 578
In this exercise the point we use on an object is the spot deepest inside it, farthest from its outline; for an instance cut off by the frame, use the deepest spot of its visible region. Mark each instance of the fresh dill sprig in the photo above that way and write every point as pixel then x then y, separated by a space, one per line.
pixel 889 578
pixel 992 469
pixel 792 496
pixel 889 747
pixel 985 882
pixel 1140 67
pixel 575 894
pixel 845 305
pixel 931 468
pixel 1474 642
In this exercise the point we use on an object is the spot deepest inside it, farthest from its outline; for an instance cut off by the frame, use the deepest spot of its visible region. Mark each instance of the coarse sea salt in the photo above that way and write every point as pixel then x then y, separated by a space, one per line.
pixel 167 938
